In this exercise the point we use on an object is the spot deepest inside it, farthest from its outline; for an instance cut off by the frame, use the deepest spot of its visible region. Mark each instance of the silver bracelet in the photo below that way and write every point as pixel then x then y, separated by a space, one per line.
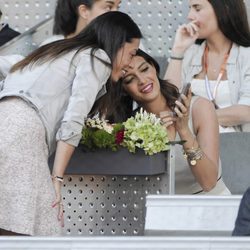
pixel 173 57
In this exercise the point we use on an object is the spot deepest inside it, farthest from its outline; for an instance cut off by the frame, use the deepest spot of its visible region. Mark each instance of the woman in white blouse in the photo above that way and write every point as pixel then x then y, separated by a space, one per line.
pixel 217 65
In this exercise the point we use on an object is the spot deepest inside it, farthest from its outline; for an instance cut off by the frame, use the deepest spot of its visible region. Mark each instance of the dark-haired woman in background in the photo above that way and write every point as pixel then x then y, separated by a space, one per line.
pixel 72 16
pixel 218 65
pixel 198 171
pixel 45 100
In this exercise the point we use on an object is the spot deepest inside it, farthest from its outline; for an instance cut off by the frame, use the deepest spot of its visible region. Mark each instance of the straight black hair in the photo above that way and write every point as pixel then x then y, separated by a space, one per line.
pixel 232 20
pixel 109 32
pixel 66 15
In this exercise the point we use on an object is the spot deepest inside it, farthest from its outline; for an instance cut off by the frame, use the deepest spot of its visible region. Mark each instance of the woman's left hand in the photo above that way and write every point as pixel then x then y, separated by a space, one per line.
pixel 58 201
pixel 182 109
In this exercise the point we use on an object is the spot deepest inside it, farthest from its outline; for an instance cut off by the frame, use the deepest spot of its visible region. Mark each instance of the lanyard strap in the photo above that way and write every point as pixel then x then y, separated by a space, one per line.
pixel 212 96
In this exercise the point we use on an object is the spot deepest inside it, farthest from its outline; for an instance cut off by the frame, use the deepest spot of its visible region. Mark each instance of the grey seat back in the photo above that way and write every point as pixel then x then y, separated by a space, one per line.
pixel 235 159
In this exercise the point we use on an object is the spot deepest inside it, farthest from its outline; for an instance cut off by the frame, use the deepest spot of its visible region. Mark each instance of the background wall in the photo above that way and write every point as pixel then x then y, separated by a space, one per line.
pixel 158 19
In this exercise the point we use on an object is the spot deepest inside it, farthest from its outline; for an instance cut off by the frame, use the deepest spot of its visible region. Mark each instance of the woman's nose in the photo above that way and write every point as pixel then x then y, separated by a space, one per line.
pixel 131 64
pixel 130 61
pixel 142 79
pixel 190 16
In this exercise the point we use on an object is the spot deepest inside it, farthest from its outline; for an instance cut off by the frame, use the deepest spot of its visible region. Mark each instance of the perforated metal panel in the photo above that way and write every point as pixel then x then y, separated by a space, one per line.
pixel 24 14
pixel 108 205
pixel 158 19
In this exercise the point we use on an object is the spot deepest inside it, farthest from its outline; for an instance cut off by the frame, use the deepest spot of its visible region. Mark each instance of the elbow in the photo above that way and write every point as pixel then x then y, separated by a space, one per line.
pixel 208 188
pixel 209 184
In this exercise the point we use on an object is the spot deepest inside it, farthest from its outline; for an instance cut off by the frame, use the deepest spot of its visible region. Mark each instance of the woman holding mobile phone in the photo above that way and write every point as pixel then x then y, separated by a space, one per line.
pixel 198 169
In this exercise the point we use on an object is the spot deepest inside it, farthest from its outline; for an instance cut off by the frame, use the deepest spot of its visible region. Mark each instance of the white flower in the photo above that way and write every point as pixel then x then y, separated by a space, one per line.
pixel 99 123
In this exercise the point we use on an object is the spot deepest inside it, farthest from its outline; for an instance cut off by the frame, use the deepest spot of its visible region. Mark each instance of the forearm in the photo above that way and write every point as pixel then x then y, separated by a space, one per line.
pixel 205 170
pixel 185 36
pixel 64 152
pixel 233 115
pixel 173 71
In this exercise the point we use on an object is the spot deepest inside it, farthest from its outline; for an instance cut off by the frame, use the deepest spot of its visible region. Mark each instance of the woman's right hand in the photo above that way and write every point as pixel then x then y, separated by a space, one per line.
pixel 185 36
pixel 168 121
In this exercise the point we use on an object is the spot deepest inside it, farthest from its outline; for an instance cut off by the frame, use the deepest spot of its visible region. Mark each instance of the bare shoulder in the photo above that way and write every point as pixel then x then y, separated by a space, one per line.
pixel 203 114
pixel 201 104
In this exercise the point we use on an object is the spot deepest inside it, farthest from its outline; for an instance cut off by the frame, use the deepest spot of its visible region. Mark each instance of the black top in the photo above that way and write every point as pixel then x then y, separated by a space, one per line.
pixel 6 34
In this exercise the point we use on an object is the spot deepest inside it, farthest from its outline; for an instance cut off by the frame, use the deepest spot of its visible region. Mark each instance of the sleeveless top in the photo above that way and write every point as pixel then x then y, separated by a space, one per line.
pixel 223 97
pixel 185 182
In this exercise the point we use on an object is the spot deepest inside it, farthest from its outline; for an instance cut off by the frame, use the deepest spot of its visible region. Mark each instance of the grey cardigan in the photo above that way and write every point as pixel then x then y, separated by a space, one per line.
pixel 62 92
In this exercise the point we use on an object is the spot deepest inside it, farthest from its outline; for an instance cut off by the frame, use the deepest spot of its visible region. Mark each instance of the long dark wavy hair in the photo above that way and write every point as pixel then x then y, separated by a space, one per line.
pixel 122 103
pixel 109 32
pixel 66 15
pixel 232 20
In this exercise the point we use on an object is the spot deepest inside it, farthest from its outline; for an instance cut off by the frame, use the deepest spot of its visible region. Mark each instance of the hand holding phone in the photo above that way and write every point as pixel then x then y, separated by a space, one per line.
pixel 185 91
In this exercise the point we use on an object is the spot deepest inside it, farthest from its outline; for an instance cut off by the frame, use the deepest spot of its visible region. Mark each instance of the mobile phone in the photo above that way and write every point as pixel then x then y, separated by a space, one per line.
pixel 184 91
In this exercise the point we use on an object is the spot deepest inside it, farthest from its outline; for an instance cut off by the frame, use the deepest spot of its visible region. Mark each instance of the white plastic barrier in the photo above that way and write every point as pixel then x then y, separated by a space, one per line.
pixel 195 215
pixel 126 243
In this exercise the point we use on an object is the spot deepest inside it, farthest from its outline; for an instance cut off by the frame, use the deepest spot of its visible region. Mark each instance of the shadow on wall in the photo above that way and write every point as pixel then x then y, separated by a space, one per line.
pixel 163 62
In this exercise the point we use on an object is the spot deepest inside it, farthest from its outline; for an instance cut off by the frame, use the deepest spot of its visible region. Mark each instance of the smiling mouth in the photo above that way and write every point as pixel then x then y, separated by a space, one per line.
pixel 147 89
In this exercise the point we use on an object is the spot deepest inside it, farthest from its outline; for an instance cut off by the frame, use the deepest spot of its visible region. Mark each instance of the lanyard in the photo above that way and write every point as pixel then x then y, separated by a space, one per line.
pixel 212 96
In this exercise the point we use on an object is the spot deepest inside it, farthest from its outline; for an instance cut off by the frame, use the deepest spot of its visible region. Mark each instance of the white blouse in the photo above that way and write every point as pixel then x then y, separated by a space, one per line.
pixel 223 98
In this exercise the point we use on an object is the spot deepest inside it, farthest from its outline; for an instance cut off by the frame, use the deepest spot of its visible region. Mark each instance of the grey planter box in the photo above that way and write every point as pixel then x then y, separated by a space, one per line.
pixel 121 162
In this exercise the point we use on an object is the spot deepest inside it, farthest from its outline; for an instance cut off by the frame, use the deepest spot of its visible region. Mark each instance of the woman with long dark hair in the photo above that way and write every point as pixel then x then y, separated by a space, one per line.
pixel 198 169
pixel 43 104
pixel 72 16
pixel 217 65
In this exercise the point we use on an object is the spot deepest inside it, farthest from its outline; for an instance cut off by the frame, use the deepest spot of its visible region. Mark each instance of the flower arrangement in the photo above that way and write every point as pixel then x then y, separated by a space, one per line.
pixel 143 131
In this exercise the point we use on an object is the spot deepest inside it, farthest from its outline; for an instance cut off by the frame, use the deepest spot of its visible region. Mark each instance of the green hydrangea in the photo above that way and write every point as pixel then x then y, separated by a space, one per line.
pixel 146 132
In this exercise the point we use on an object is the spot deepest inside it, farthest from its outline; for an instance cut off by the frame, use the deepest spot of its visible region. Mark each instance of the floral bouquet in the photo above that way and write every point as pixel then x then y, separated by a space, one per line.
pixel 143 131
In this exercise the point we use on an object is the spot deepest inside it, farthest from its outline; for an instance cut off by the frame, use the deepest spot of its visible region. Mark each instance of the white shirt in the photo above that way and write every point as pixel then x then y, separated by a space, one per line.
pixel 223 97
